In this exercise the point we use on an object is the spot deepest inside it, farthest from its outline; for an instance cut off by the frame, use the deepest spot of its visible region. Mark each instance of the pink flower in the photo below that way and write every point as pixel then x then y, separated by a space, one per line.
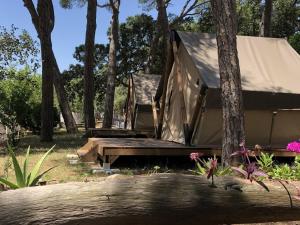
pixel 293 146
pixel 195 155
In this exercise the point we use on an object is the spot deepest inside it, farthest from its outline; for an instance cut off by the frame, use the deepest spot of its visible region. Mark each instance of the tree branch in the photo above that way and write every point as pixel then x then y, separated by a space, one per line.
pixel 186 10
pixel 34 15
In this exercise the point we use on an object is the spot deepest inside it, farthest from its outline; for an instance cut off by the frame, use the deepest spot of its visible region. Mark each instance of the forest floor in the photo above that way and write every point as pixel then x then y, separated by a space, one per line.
pixel 66 144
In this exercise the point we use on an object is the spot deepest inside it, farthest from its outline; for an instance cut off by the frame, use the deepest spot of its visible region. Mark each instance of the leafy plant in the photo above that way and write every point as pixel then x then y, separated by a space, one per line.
pixel 209 167
pixel 265 162
pixel 297 167
pixel 283 172
pixel 249 169
pixel 23 178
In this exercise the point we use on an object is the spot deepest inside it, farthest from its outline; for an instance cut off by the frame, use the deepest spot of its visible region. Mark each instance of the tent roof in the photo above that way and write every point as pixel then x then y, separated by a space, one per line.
pixel 266 64
pixel 145 86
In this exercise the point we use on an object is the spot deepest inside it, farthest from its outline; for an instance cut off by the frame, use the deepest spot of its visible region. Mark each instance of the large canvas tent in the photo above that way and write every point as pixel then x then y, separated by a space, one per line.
pixel 138 108
pixel 270 72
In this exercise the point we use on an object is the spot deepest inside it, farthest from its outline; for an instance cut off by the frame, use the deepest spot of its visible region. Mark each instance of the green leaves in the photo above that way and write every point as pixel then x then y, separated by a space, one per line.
pixel 36 169
pixel 266 161
pixel 22 179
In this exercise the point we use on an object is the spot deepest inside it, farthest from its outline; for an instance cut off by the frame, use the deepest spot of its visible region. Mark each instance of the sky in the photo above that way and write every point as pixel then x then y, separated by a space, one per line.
pixel 69 30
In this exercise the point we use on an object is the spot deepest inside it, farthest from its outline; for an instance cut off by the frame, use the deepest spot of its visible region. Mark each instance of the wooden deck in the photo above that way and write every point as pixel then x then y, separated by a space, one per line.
pixel 109 149
pixel 117 133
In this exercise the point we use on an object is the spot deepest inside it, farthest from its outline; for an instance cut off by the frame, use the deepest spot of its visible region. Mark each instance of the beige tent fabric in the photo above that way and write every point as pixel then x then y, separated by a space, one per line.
pixel 286 127
pixel 266 64
pixel 173 129
pixel 145 86
pixel 257 127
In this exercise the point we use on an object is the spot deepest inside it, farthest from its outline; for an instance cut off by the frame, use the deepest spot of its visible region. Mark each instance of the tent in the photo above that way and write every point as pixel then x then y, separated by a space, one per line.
pixel 270 72
pixel 138 108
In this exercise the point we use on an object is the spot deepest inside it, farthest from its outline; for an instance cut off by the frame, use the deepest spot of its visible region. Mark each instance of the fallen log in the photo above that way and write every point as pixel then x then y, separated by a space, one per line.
pixel 157 199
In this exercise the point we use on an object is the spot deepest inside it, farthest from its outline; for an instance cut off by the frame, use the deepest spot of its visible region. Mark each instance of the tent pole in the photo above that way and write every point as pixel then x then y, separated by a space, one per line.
pixel 127 105
pixel 167 71
pixel 271 130
pixel 197 113
pixel 154 111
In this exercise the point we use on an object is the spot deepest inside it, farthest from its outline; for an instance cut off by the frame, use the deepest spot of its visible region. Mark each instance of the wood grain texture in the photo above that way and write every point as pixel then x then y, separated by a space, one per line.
pixel 158 199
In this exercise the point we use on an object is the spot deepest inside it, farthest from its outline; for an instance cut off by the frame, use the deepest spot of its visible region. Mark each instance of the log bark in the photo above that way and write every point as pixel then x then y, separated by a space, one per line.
pixel 89 117
pixel 112 65
pixel 157 199
pixel 224 12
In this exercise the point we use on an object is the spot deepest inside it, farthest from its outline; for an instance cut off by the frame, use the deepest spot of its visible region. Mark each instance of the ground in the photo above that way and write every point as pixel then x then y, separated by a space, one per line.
pixel 64 144
pixel 68 144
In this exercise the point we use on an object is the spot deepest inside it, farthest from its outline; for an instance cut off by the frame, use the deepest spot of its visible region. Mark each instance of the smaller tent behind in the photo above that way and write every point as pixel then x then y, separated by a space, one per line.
pixel 138 108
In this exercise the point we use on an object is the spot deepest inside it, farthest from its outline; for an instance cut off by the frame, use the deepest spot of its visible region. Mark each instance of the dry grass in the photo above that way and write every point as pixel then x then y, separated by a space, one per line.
pixel 64 172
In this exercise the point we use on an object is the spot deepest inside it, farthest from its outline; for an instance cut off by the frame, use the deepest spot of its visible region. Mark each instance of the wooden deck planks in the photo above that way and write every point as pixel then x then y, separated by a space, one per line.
pixel 149 146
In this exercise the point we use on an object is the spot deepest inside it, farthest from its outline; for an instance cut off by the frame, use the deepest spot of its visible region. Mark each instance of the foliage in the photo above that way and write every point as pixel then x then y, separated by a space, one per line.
pixel 249 17
pixel 17 49
pixel 285 20
pixel 135 41
pixel 294 40
pixel 20 101
pixel 209 167
pixel 265 162
pixel 248 169
pixel 283 172
pixel 23 177
pixel 120 98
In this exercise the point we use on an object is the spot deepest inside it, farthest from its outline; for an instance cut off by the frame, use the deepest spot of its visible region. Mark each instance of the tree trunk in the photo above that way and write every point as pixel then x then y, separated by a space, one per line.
pixel 62 99
pixel 112 65
pixel 224 12
pixel 89 117
pixel 163 33
pixel 150 200
pixel 46 20
pixel 160 36
pixel 265 24
pixel 61 95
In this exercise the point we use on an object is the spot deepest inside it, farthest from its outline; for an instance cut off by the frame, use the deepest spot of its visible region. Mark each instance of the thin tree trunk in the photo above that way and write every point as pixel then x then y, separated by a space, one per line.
pixel 62 99
pixel 61 95
pixel 112 65
pixel 224 12
pixel 162 30
pixel 44 9
pixel 163 33
pixel 265 24
pixel 89 117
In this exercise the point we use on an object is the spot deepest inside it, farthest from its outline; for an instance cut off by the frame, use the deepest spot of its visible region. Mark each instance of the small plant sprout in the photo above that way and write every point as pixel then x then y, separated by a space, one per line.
pixel 23 177
pixel 209 167
pixel 243 152
pixel 249 169
pixel 212 169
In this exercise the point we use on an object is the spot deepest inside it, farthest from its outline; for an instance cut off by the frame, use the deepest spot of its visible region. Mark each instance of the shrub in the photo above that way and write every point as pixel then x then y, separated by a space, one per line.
pixel 265 162
pixel 23 178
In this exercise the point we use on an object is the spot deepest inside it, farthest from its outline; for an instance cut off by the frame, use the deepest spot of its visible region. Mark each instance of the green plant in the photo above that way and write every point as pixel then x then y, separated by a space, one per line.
pixel 265 162
pixel 23 178
pixel 297 167
pixel 283 172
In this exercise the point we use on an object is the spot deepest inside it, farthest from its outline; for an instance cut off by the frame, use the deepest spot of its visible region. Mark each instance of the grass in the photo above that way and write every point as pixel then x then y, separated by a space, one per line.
pixel 64 172
pixel 64 144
